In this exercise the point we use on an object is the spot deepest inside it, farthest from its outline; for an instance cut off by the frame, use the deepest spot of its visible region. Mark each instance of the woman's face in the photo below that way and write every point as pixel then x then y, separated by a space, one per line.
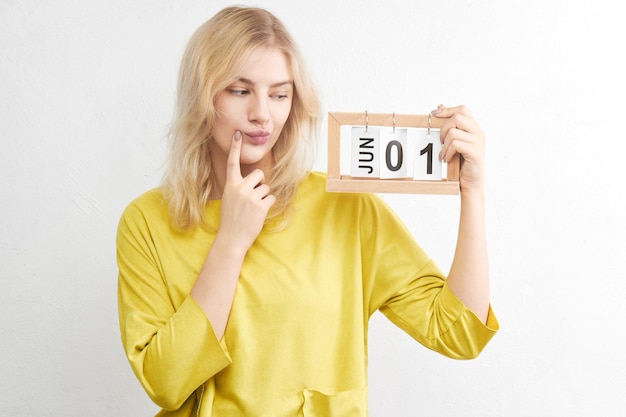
pixel 257 104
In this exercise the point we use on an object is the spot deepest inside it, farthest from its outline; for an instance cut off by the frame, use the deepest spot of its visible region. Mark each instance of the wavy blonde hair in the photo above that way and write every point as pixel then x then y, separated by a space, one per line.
pixel 214 55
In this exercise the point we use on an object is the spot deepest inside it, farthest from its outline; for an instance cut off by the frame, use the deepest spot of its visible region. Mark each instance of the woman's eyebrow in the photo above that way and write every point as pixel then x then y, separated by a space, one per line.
pixel 252 83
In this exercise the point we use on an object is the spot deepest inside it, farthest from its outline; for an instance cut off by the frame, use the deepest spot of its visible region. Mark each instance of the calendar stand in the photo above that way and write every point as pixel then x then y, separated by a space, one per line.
pixel 335 182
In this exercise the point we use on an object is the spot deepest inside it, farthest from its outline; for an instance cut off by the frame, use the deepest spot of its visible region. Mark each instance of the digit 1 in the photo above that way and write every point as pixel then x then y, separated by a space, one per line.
pixel 429 164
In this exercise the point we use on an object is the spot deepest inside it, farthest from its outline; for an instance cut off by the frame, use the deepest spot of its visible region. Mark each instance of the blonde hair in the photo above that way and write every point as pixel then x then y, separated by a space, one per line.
pixel 215 53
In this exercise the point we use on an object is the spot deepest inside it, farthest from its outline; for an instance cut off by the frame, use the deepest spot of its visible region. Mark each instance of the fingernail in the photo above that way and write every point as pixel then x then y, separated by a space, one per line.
pixel 435 112
pixel 237 135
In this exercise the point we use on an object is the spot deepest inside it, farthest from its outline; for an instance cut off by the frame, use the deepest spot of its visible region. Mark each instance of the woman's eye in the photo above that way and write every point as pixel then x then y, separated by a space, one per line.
pixel 238 91
pixel 281 96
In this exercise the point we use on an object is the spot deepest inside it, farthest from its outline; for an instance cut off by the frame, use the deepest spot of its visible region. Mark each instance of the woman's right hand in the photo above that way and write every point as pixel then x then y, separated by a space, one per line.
pixel 245 201
pixel 245 204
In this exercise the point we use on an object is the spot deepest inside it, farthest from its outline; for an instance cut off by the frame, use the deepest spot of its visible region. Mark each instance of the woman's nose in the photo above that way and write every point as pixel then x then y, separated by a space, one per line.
pixel 259 111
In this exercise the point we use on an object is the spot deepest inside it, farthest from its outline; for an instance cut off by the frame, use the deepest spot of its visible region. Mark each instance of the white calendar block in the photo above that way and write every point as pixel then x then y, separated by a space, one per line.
pixel 365 152
pixel 394 153
pixel 426 163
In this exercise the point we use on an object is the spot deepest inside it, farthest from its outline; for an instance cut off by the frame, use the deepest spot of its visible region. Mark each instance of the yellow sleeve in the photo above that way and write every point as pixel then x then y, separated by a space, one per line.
pixel 440 321
pixel 410 290
pixel 172 349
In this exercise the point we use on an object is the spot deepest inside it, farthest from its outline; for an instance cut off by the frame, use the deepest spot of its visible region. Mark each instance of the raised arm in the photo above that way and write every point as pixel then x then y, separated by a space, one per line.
pixel 469 273
pixel 245 204
pixel 169 342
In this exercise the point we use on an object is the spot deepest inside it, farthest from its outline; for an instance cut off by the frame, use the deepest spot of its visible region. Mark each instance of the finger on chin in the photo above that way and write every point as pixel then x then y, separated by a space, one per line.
pixel 233 167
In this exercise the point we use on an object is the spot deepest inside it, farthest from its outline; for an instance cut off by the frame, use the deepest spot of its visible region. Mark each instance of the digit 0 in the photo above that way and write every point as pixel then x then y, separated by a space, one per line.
pixel 399 154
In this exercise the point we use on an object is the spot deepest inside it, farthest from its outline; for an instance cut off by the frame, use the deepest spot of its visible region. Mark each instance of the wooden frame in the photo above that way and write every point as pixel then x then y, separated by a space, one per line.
pixel 335 182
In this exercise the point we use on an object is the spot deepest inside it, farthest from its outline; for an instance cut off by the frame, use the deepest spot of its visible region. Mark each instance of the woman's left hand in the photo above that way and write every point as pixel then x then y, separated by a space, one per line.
pixel 461 134
pixel 469 273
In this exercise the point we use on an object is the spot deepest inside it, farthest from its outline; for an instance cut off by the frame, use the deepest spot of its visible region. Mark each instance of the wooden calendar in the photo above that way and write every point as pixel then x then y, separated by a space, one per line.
pixel 389 153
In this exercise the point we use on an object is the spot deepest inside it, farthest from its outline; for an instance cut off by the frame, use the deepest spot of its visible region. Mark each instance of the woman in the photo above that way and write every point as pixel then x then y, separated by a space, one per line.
pixel 244 288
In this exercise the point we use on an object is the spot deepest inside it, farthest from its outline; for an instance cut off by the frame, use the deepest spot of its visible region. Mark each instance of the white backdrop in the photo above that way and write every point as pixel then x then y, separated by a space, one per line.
pixel 87 92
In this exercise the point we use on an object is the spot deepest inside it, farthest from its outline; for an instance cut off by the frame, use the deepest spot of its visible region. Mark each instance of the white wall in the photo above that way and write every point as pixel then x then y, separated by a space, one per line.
pixel 87 90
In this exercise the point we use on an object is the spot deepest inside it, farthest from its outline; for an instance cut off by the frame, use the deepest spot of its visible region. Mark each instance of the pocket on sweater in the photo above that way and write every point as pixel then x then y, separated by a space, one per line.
pixel 351 403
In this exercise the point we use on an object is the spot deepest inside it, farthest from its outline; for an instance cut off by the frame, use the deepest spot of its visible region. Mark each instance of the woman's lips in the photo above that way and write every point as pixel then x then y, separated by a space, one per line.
pixel 258 137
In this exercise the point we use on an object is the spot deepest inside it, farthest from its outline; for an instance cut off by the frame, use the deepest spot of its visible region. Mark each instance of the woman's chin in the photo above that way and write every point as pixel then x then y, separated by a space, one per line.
pixel 255 159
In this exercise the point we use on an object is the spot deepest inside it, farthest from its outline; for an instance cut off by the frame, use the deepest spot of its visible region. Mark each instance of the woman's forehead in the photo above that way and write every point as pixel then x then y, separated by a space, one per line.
pixel 269 66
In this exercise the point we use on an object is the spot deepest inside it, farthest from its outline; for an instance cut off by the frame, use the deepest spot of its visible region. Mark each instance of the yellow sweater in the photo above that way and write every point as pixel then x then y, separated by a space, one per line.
pixel 295 343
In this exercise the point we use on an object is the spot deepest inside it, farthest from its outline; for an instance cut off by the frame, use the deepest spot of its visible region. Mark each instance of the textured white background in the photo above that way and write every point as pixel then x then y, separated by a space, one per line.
pixel 87 89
